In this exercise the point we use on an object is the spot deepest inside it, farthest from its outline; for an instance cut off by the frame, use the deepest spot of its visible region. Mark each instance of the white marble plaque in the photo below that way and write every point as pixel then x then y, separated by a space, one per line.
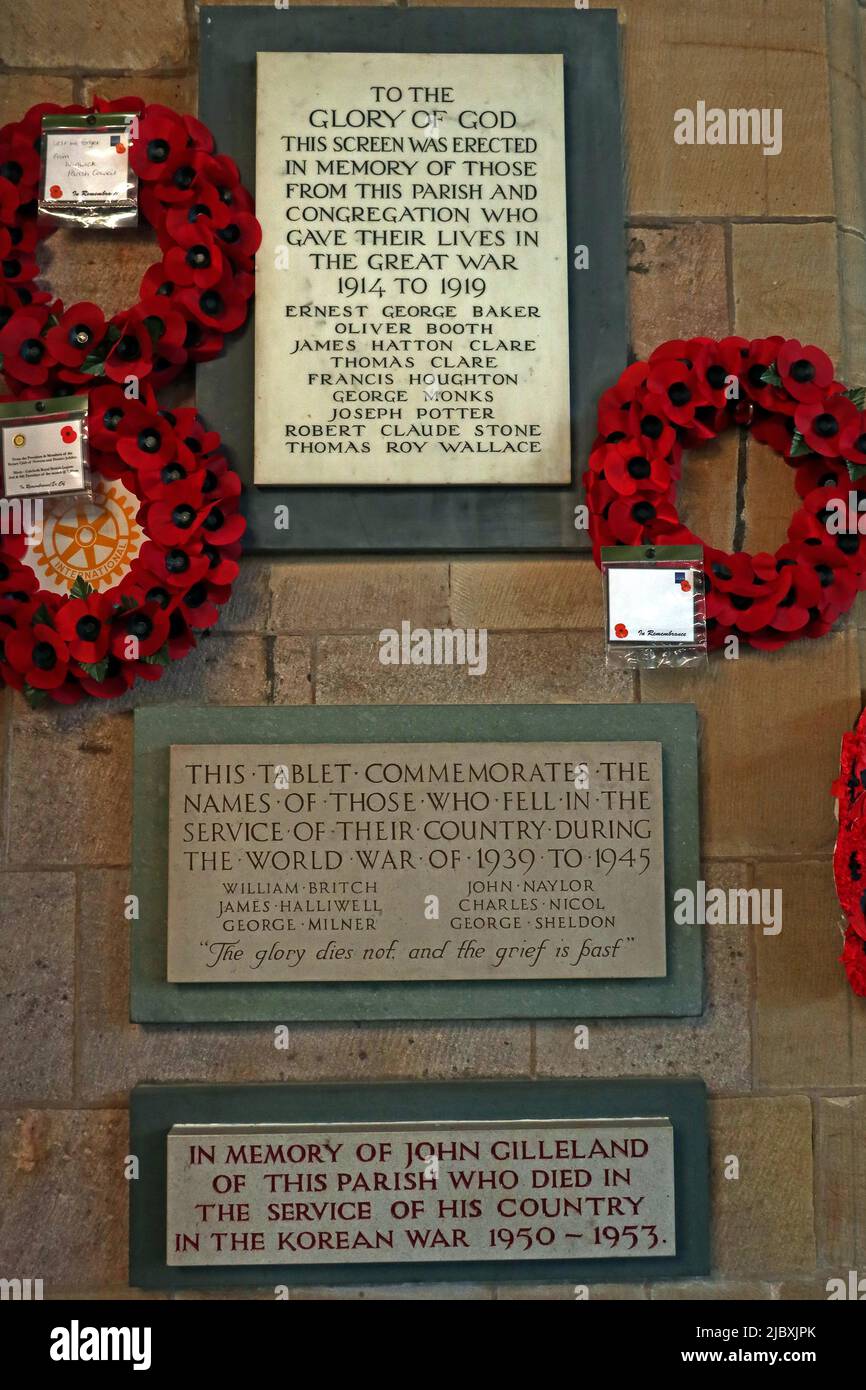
pixel 412 294
pixel 392 1193
pixel 416 861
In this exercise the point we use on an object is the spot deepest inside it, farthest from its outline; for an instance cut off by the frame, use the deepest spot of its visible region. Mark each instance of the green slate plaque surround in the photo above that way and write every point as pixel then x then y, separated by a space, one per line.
pixel 154 1109
pixel 154 999
pixel 430 518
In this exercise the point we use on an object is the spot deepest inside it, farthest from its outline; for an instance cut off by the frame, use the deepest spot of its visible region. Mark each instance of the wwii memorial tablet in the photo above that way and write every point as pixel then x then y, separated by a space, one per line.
pixel 416 861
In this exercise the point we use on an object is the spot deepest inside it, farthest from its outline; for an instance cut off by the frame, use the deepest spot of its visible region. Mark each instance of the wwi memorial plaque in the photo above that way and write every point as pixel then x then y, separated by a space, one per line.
pixel 416 861
pixel 412 306
pixel 393 1193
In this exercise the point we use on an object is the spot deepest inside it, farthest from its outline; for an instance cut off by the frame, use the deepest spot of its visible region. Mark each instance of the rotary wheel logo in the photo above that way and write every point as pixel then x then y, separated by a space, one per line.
pixel 96 541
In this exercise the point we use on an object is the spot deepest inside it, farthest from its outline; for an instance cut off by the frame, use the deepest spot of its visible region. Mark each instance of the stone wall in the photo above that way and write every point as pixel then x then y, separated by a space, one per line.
pixel 718 240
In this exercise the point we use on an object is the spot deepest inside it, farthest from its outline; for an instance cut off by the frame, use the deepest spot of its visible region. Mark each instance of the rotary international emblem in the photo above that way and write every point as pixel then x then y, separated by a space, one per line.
pixel 96 541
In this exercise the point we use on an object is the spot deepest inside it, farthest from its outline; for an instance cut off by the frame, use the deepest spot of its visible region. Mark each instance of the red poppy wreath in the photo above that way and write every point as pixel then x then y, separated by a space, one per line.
pixel 162 540
pixel 787 394
pixel 849 858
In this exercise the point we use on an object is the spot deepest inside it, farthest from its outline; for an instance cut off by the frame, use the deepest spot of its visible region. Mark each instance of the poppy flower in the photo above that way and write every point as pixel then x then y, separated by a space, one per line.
pixel 196 258
pixel 839 582
pixel 204 208
pixel 853 958
pixel 628 470
pixel 15 615
pixel 621 630
pixel 647 418
pixel 682 350
pixel 159 482
pixel 110 411
pixel 202 344
pixel 226 180
pixel 145 440
pixel 168 364
pixel 84 625
pixel 156 283
pixel 39 654
pixel 239 233
pixel 776 431
pixel 820 473
pixel 728 571
pixel 80 330
pixel 187 181
pixel 761 357
pixel 223 524
pixel 219 483
pixel 22 237
pixel 806 372
pixel 612 425
pixel 30 124
pixel 18 268
pixel 173 568
pixel 68 434
pixel 160 146
pixel 192 431
pixel 736 582
pixel 131 355
pixel 222 561
pixel 181 639
pixel 822 422
pixel 717 368
pixel 175 521
pixel 852 440
pixel 9 201
pixel 118 678
pixel 199 135
pixel 675 382
pixel 630 386
pixel 26 355
pixel 636 519
pixel 836 516
pixel 201 602
pixel 222 306
pixel 19 165
pixel 16 579
pixel 139 632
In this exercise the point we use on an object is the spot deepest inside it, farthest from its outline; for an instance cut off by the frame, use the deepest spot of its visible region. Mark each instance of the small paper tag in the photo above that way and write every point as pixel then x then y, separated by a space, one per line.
pixel 86 167
pixel 43 448
pixel 651 606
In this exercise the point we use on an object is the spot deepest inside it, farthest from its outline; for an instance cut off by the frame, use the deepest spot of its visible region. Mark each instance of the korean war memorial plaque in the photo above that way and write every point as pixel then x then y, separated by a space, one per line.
pixel 416 861
pixel 550 1190
pixel 395 1182
pixel 415 330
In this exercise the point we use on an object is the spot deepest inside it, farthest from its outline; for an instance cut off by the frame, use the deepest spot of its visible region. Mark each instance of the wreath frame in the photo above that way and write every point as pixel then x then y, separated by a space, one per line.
pixel 57 647
pixel 685 394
